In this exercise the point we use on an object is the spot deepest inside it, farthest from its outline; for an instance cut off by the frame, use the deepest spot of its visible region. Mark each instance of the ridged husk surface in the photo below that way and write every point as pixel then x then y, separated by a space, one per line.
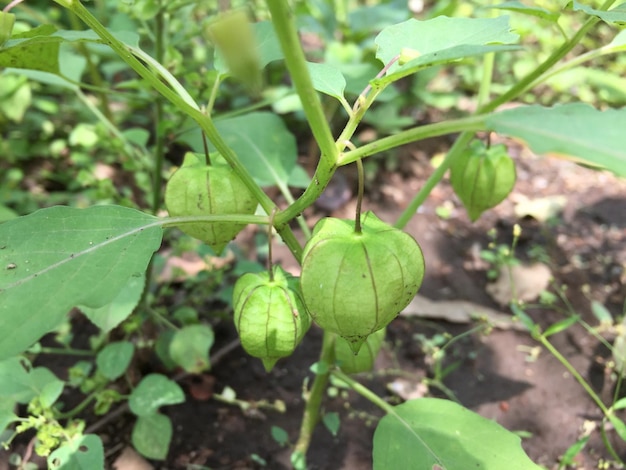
pixel 483 177
pixel 355 283
pixel 270 315
pixel 197 189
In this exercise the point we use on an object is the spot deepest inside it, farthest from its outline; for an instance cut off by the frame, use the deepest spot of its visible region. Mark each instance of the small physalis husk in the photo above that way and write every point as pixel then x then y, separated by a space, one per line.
pixel 364 360
pixel 353 283
pixel 270 315
pixel 198 189
pixel 482 177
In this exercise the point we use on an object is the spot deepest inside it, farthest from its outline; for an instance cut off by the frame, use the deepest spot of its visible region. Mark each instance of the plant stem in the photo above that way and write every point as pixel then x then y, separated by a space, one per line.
pixel 570 368
pixel 525 83
pixel 284 25
pixel 359 198
pixel 283 20
pixel 314 399
pixel 181 99
pixel 437 175
pixel 159 151
pixel 471 123
pixel 68 352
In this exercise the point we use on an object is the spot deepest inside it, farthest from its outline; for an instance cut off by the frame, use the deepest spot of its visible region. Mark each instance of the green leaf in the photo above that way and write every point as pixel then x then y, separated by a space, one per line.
pixel 262 142
pixel 6 413
pixel 576 130
pixel 440 40
pixel 7 20
pixel 279 435
pixel 34 49
pixel 61 257
pixel 114 359
pixel 519 7
pixel 154 391
pixel 560 325
pixel 601 313
pixel 21 383
pixel 429 433
pixel 190 347
pixel 38 49
pixel 618 424
pixel 332 422
pixel 83 453
pixel 327 79
pixel 152 435
pixel 616 15
pixel 119 309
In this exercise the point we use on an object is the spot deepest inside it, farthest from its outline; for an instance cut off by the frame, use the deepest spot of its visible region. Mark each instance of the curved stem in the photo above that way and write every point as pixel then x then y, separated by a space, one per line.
pixel 525 83
pixel 472 123
pixel 420 197
pixel 314 399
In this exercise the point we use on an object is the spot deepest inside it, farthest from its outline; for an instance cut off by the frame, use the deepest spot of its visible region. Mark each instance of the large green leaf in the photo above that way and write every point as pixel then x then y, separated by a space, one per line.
pixel 440 40
pixel 38 49
pixel 616 15
pixel 577 130
pixel 327 79
pixel 57 258
pixel 262 142
pixel 115 312
pixel 431 433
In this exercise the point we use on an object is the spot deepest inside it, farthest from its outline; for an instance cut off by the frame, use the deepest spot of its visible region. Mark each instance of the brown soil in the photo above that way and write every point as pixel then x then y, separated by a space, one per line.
pixel 502 375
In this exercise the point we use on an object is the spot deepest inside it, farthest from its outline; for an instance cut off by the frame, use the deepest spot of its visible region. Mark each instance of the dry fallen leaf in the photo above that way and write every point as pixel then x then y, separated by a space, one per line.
pixel 459 311
pixel 129 459
pixel 520 282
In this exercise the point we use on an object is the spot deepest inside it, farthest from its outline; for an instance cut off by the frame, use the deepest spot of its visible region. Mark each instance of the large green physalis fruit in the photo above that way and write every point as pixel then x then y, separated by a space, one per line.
pixel 482 177
pixel 270 315
pixel 198 189
pixel 355 283
pixel 364 360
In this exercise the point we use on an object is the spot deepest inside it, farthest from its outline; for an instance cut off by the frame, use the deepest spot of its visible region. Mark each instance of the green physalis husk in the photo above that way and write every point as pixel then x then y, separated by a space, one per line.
pixel 364 360
pixel 482 177
pixel 355 283
pixel 270 315
pixel 198 189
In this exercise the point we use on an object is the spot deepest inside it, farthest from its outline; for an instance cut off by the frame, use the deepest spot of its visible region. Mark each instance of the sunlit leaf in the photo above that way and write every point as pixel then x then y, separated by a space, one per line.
pixel 615 15
pixel 190 346
pixel 327 79
pixel 420 44
pixel 431 433
pixel 576 130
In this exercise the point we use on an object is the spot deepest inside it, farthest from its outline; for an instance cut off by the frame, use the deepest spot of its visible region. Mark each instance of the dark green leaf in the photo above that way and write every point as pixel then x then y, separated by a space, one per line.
pixel 114 358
